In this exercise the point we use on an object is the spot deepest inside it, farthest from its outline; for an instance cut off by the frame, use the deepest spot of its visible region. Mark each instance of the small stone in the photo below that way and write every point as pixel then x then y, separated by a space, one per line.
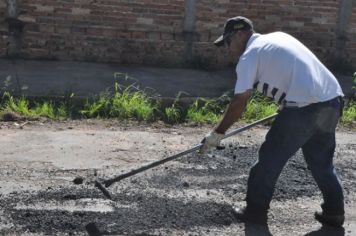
pixel 234 157
pixel 185 184
pixel 78 180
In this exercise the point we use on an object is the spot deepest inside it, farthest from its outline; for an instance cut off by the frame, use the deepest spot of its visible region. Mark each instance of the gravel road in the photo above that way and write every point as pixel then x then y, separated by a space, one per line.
pixel 190 196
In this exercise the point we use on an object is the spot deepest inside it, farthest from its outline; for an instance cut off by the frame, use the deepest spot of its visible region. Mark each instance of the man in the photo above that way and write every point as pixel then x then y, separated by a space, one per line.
pixel 281 67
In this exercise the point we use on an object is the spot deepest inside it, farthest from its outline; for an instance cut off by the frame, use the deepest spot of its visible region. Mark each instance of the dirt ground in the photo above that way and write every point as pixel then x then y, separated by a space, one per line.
pixel 190 196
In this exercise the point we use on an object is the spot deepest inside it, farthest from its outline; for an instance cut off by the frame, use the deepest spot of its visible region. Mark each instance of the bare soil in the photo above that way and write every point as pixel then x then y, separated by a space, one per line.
pixel 48 168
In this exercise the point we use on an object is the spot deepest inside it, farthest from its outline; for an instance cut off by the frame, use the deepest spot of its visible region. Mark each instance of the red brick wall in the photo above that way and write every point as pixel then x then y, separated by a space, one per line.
pixel 151 32
pixel 313 22
pixel 3 29
pixel 118 31
pixel 351 43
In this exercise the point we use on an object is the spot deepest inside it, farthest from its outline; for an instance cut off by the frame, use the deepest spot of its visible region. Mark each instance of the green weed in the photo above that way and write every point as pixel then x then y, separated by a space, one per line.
pixel 19 105
pixel 349 114
pixel 122 104
pixel 175 112
pixel 259 107
pixel 209 112
pixel 45 109
pixel 63 112
pixel 128 104
pixel 172 114
pixel 97 108
pixel 22 106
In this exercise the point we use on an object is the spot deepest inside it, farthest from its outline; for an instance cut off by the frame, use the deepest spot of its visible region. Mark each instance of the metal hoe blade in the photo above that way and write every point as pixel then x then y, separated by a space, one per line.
pixel 102 185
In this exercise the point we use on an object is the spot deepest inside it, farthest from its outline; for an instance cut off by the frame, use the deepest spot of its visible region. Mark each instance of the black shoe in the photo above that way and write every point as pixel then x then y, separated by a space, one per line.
pixel 248 215
pixel 328 219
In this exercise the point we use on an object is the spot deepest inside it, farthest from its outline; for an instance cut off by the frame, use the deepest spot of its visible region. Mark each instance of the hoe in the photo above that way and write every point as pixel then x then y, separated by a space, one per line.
pixel 104 184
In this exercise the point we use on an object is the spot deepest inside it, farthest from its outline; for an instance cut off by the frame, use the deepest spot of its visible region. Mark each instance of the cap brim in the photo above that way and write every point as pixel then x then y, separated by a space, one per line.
pixel 220 41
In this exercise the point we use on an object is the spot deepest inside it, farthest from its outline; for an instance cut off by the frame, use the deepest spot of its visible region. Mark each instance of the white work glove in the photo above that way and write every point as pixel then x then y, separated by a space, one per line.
pixel 212 140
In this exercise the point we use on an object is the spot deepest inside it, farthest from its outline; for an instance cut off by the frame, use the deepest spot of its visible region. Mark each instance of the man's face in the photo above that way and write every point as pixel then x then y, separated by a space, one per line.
pixel 235 44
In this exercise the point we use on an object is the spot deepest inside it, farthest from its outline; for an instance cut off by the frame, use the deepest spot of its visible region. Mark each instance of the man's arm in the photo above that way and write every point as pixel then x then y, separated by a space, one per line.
pixel 233 113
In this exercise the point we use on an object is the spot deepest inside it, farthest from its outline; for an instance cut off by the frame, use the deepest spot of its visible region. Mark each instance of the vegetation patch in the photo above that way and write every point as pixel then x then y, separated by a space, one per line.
pixel 128 103
pixel 131 102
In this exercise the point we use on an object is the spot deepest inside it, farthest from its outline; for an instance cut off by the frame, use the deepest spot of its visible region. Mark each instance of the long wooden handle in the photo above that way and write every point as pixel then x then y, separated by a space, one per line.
pixel 195 148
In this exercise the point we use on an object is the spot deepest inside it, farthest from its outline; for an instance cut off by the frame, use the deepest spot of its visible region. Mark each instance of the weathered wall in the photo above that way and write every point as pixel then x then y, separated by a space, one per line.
pixel 351 37
pixel 3 29
pixel 170 32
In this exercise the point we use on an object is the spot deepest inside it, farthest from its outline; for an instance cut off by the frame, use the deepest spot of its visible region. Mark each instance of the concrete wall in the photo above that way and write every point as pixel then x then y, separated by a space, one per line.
pixel 168 32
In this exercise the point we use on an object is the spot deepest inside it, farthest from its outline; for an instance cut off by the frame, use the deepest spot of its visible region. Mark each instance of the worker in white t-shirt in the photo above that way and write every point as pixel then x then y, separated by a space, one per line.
pixel 310 98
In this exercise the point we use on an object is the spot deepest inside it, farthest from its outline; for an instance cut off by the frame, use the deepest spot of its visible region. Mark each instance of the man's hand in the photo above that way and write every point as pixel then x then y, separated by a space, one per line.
pixel 212 140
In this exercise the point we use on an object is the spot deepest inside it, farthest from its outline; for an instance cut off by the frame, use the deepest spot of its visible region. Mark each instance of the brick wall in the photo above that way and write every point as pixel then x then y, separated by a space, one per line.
pixel 351 43
pixel 117 31
pixel 3 30
pixel 312 22
pixel 152 32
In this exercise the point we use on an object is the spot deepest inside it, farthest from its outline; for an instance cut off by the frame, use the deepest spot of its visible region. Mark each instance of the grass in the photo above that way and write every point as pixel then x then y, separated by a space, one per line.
pixel 23 107
pixel 175 113
pixel 211 111
pixel 172 114
pixel 205 111
pixel 122 104
pixel 258 107
pixel 349 114
pixel 133 103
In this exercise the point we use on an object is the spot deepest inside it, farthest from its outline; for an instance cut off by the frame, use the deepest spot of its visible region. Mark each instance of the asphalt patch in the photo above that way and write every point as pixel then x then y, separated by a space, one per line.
pixel 158 199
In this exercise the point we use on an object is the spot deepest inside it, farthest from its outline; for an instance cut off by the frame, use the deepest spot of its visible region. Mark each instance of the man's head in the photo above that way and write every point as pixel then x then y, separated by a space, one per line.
pixel 237 31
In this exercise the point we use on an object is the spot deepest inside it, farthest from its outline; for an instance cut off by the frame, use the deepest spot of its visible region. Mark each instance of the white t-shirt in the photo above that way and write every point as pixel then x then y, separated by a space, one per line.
pixel 281 67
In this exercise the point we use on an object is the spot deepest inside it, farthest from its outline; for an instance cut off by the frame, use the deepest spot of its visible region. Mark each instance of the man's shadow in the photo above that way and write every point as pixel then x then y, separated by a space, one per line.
pixel 260 230
pixel 250 230
pixel 256 230
pixel 327 231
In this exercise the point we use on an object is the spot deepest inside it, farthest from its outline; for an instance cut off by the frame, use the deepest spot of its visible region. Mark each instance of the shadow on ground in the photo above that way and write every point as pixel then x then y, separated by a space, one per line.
pixel 327 231
pixel 147 212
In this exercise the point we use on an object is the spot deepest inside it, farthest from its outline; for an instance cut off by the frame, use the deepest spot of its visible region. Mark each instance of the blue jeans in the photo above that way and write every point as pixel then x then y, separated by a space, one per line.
pixel 311 128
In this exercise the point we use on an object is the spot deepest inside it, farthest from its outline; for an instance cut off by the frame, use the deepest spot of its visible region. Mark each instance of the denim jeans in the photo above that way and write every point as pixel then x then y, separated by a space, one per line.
pixel 311 128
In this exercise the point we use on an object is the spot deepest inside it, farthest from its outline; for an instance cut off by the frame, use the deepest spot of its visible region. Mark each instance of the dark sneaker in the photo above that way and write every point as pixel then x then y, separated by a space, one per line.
pixel 328 219
pixel 247 215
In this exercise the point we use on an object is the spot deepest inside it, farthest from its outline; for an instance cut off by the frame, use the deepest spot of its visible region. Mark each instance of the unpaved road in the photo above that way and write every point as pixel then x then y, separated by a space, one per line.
pixel 190 196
